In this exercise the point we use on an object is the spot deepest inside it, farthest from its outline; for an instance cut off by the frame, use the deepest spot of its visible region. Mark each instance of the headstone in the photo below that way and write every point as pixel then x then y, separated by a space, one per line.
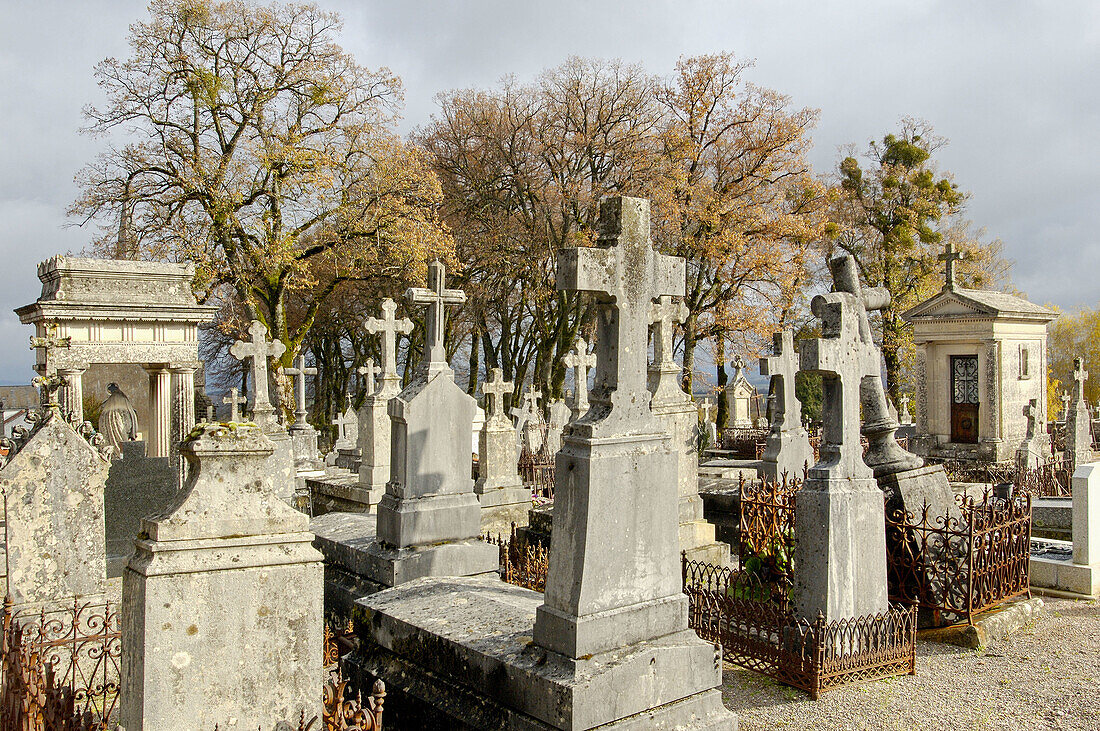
pixel 739 394
pixel 580 360
pixel 560 415
pixel 840 546
pixel 222 600
pixel 499 487
pixel 1079 572
pixel 282 462
pixel 1065 399
pixel 787 450
pixel 302 434
pixel 211 414
pixel 374 416
pixel 429 518
pixel 709 424
pixel 233 400
pixel 1035 448
pixel 905 418
pixel 678 416
pixel 478 425
pixel 1078 426
pixel 529 425
pixel 52 483
pixel 612 647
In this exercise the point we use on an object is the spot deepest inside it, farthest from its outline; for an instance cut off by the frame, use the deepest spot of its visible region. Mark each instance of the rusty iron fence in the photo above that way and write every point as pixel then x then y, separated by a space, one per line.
pixel 537 472
pixel 521 563
pixel 766 527
pixel 753 622
pixel 963 562
pixel 1052 479
pixel 60 668
pixel 743 443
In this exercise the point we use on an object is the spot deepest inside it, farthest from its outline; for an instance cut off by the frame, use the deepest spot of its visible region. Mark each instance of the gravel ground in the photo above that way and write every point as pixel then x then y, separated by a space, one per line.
pixel 1046 676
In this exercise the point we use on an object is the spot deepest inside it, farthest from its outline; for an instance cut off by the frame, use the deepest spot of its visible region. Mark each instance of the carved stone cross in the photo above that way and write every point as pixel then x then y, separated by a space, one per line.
pixel 1065 405
pixel 342 422
pixel 580 360
pixel 707 406
pixel 234 399
pixel 664 314
pixel 259 349
pixel 1031 412
pixel 904 401
pixel 299 371
pixel 531 398
pixel 370 372
pixel 783 366
pixel 950 256
pixel 435 298
pixel 625 274
pixel 495 390
pixel 1080 375
pixel 389 327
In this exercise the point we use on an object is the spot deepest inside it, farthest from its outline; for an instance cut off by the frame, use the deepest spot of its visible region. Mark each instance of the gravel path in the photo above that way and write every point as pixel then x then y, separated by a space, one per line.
pixel 1046 676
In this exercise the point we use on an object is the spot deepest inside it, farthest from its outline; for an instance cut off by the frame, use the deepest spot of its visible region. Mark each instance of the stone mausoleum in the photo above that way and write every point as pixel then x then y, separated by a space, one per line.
pixel 981 356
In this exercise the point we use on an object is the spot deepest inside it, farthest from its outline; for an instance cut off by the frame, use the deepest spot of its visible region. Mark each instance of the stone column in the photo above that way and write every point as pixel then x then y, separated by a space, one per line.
pixel 72 393
pixel 160 411
pixel 183 413
pixel 222 599
pixel 993 437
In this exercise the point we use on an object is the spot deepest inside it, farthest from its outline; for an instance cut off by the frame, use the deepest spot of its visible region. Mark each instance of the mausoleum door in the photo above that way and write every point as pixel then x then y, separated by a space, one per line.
pixel 964 399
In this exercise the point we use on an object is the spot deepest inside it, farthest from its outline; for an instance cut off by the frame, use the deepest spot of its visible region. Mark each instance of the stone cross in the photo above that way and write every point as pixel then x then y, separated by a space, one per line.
pixel 1031 412
pixel 950 256
pixel 905 417
pixel 342 422
pixel 784 366
pixel 707 406
pixel 494 390
pixel 299 371
pixel 625 274
pixel 531 398
pixel 234 399
pixel 210 414
pixel 1080 375
pixel 259 349
pixel 369 372
pixel 1065 405
pixel 435 298
pixel 665 313
pixel 580 360
pixel 389 328
pixel 50 340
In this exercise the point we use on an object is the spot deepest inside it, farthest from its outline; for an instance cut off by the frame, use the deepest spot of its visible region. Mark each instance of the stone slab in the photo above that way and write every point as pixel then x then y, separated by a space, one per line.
pixel 338 491
pixel 1055 569
pixel 341 537
pixel 990 626
pixel 731 469
pixel 137 487
pixel 1052 518
pixel 472 637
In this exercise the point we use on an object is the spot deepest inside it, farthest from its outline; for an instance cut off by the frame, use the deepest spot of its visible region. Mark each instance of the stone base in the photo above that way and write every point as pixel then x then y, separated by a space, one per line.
pixel 540 526
pixel 722 508
pixel 911 490
pixel 422 521
pixel 499 518
pixel 342 538
pixel 788 453
pixel 1052 518
pixel 731 469
pixel 1064 575
pixel 992 625
pixel 337 491
pixel 395 566
pixel 457 653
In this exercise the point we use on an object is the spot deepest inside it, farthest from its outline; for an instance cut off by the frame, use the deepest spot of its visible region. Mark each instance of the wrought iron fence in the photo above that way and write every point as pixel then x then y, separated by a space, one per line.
pixel 537 472
pixel 970 559
pixel 766 535
pixel 60 668
pixel 744 443
pixel 1052 479
pixel 753 622
pixel 521 563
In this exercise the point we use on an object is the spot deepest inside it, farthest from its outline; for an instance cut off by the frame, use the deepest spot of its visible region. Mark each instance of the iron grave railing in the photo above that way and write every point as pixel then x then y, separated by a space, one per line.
pixel 537 472
pixel 521 563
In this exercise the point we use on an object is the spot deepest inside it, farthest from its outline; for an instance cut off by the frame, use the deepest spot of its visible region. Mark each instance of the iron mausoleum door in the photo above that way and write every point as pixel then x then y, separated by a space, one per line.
pixel 964 399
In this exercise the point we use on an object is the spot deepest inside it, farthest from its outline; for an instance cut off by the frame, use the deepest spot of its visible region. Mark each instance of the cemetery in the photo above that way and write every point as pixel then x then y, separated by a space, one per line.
pixel 339 432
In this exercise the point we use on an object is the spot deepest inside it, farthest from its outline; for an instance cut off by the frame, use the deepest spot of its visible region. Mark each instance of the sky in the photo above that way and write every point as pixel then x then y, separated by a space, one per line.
pixel 1012 85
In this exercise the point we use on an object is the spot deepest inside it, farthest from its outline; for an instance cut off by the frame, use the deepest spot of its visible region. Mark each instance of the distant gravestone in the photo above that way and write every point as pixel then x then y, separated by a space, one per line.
pixel 560 414
pixel 1035 448
pixel 787 450
pixel 580 360
pixel 499 487
pixel 222 600
pixel 1078 421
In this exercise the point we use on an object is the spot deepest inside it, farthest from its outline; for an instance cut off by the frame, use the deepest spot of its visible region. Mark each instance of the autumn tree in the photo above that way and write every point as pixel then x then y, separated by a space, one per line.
pixel 1075 334
pixel 249 142
pixel 738 200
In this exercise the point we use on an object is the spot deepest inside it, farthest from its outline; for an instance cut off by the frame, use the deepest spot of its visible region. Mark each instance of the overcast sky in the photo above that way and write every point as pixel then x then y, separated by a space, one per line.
pixel 1013 86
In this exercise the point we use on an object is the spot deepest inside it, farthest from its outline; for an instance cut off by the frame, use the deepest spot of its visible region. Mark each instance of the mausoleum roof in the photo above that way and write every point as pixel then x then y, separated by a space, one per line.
pixel 968 303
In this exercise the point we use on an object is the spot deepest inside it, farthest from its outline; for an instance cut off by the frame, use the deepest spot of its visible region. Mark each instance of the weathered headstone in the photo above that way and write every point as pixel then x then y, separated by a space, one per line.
pixel 905 418
pixel 233 401
pixel 787 450
pixel 374 416
pixel 580 360
pixel 612 647
pixel 1078 426
pixel 222 600
pixel 840 543
pixel 499 487
pixel 429 518
pixel 739 394
pixel 52 482
pixel 1065 399
pixel 711 427
pixel 529 426
pixel 560 414
pixel 281 462
pixel 678 416
pixel 302 433
pixel 1035 448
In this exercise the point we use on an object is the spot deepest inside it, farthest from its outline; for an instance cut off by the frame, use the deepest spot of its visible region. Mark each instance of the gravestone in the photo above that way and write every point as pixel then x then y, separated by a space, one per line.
pixel 529 425
pixel 739 394
pixel 580 360
pixel 1035 448
pixel 429 518
pixel 1078 573
pixel 281 462
pixel 611 644
pixel 374 417
pixel 137 486
pixel 1078 426
pixel 222 600
pixel 302 434
pixel 560 415
pixel 499 488
pixel 1065 399
pixel 234 400
pixel 52 481
pixel 678 416
pixel 707 406
pixel 905 418
pixel 787 450
pixel 840 543
pixel 345 450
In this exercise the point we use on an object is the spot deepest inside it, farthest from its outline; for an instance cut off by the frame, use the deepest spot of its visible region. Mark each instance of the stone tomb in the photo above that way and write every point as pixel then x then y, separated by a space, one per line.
pixel 222 600
pixel 1078 420
pixel 611 645
pixel 981 357
pixel 1078 572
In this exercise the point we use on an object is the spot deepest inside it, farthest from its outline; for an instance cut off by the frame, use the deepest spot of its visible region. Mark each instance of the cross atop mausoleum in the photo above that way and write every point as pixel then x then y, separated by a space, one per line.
pixel 259 349
pixel 435 298
pixel 949 257
pixel 626 275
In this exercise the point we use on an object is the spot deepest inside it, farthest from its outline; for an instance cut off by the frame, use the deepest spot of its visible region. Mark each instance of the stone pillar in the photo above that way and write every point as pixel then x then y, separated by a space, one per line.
pixel 222 599
pixel 992 436
pixel 1086 515
pixel 160 411
pixel 183 413
pixel 72 394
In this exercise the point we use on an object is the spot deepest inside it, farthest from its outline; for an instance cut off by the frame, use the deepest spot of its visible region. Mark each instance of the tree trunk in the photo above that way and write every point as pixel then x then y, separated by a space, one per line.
pixel 722 418
pixel 689 354
pixel 892 326
pixel 475 365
